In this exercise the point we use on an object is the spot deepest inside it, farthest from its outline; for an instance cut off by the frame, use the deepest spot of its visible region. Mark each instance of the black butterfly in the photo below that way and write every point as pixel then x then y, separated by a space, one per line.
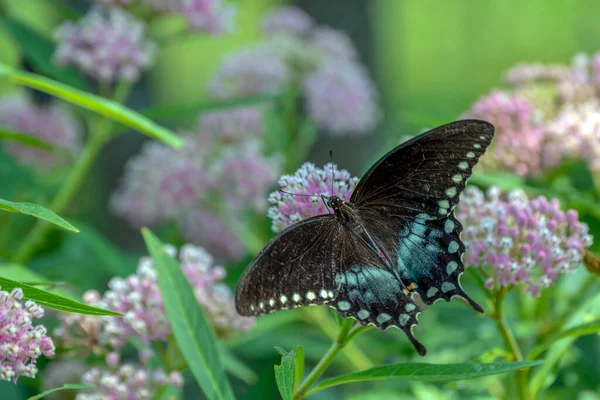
pixel 397 235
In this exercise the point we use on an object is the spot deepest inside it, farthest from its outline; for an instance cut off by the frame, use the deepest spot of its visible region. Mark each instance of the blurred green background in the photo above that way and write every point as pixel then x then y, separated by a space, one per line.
pixel 431 59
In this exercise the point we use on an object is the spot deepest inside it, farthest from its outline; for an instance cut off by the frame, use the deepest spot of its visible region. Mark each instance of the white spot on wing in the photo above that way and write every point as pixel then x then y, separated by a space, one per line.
pixel 449 226
pixel 451 267
pixel 443 211
pixel 323 293
pixel 311 296
pixel 403 319
pixel 363 314
pixel 463 165
pixel 477 145
pixel 344 305
pixel 283 299
pixel 457 178
pixel 447 286
pixel 451 192
pixel 383 317
pixel 470 155
pixel 409 307
pixel 296 297
pixel 444 204
pixel 432 291
pixel 271 302
pixel 453 247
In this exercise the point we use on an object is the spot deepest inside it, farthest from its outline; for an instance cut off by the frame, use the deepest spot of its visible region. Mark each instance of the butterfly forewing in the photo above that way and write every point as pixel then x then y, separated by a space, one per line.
pixel 297 268
pixel 407 199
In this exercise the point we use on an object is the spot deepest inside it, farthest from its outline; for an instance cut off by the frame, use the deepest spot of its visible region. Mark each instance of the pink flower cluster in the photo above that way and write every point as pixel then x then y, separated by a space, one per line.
pixel 221 161
pixel 129 381
pixel 107 44
pixel 212 16
pixel 337 91
pixel 219 172
pixel 523 241
pixel 138 297
pixel 21 343
pixel 50 123
pixel 550 113
pixel 304 189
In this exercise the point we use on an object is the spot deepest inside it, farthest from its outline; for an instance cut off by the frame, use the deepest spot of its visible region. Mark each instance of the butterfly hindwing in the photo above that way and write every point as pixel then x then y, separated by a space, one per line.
pixel 297 268
pixel 407 199
pixel 371 293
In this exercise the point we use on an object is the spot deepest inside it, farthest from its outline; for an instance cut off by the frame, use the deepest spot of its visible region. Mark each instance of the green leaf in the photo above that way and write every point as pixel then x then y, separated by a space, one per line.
pixel 36 211
pixel 51 300
pixel 38 50
pixel 237 367
pixel 191 329
pixel 576 331
pixel 105 107
pixel 20 273
pixel 66 386
pixel 25 139
pixel 426 372
pixel 290 372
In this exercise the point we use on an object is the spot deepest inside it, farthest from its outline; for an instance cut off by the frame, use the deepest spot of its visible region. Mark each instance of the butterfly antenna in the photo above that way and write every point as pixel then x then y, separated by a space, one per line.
pixel 332 176
pixel 297 194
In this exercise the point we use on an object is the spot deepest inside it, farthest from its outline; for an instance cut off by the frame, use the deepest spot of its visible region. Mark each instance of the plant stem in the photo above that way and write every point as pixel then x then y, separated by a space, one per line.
pixel 511 344
pixel 100 133
pixel 325 361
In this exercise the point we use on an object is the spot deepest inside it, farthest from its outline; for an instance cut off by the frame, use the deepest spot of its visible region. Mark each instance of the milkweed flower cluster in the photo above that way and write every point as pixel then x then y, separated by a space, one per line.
pixel 298 204
pixel 51 123
pixel 220 165
pixel 338 93
pixel 211 16
pixel 523 241
pixel 128 381
pixel 21 343
pixel 548 113
pixel 107 44
pixel 138 297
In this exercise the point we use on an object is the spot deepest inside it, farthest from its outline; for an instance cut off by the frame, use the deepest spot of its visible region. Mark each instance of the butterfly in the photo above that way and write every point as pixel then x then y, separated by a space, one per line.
pixel 396 236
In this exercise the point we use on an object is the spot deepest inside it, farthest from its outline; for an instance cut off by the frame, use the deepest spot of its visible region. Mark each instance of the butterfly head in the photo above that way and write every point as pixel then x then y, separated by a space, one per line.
pixel 335 203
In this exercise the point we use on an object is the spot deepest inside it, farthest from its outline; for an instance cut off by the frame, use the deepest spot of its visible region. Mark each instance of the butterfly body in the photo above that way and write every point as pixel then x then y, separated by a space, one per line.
pixel 396 235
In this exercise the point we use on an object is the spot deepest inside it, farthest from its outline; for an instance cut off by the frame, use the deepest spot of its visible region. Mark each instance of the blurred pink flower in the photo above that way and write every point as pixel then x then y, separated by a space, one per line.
pixel 160 182
pixel 200 226
pixel 522 240
pixel 235 125
pixel 341 99
pixel 21 343
pixel 519 137
pixel 333 45
pixel 288 209
pixel 251 71
pixel 212 16
pixel 287 20
pixel 50 123
pixel 107 44
pixel 128 381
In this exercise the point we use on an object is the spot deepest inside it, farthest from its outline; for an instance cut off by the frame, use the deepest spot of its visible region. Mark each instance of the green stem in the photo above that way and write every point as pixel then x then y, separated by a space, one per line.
pixel 63 197
pixel 325 361
pixel 511 344
pixel 96 140
pixel 352 352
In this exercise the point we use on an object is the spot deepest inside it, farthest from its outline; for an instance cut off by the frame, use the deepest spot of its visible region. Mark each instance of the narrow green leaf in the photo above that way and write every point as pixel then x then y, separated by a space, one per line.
pixel 237 367
pixel 426 372
pixel 25 139
pixel 105 107
pixel 298 367
pixel 580 330
pixel 20 273
pixel 66 386
pixel 284 375
pixel 39 50
pixel 51 300
pixel 36 211
pixel 191 329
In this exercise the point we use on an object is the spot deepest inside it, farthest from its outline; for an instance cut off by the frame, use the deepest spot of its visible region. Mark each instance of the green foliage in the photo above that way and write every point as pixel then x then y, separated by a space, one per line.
pixel 52 300
pixel 191 329
pixel 25 139
pixel 428 372
pixel 67 386
pixel 38 50
pixel 36 211
pixel 105 107
pixel 290 372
